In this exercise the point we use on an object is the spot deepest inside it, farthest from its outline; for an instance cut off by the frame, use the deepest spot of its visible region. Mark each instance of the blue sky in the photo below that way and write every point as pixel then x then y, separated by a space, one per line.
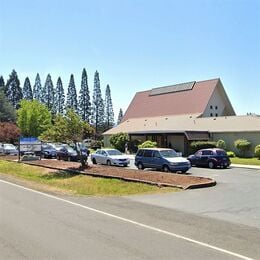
pixel 136 44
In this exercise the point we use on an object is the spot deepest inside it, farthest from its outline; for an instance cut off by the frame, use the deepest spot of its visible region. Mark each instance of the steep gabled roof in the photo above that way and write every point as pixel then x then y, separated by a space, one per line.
pixel 186 98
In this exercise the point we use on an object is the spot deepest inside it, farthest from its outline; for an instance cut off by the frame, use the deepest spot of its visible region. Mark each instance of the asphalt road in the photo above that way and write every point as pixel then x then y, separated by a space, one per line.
pixel 38 226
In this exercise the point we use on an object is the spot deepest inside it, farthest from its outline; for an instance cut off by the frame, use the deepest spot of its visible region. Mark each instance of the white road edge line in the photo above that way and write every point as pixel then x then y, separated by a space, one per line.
pixel 133 222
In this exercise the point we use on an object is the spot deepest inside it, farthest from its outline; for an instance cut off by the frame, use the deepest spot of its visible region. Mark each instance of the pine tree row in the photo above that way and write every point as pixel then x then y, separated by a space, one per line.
pixel 98 113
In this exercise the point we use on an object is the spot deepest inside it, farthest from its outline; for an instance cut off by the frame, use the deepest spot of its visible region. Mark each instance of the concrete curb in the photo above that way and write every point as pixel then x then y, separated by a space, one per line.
pixel 255 167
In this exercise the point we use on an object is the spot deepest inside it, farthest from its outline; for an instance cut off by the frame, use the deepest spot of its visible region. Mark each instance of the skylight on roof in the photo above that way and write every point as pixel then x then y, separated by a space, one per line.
pixel 172 88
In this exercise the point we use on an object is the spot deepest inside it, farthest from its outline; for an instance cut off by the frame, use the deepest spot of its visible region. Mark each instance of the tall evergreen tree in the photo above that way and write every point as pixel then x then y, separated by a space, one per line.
pixel 72 101
pixel 27 90
pixel 48 94
pixel 14 92
pixel 109 112
pixel 2 85
pixel 84 98
pixel 120 116
pixel 7 112
pixel 97 105
pixel 59 97
pixel 37 88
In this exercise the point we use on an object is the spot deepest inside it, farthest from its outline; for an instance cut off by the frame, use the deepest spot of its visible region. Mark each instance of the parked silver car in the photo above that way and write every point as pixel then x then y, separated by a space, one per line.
pixel 110 157
pixel 10 149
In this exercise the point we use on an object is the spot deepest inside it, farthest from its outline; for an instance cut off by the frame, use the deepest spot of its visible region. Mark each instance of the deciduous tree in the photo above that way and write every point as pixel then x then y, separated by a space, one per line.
pixel 70 128
pixel 33 118
pixel 9 132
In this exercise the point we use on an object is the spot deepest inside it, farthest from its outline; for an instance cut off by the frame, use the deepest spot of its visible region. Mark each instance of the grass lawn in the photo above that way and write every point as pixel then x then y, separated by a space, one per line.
pixel 247 161
pixel 76 183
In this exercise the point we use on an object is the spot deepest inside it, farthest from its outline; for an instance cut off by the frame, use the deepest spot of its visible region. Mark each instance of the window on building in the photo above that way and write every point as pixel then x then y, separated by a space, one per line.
pixel 216 114
pixel 216 107
pixel 211 114
pixel 211 107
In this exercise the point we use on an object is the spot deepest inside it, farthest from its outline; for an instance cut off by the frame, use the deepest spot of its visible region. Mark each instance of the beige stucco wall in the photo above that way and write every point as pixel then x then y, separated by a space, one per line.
pixel 177 142
pixel 230 138
pixel 106 141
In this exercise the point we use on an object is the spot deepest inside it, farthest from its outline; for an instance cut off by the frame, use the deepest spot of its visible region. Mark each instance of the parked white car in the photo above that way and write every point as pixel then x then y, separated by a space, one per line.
pixel 110 157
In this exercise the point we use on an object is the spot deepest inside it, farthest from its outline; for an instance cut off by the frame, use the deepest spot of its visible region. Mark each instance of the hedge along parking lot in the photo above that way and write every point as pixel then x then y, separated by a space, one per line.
pixel 74 184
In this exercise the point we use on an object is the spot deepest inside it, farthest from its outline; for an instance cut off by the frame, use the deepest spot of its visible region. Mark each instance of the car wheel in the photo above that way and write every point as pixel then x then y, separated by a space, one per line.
pixel 211 165
pixel 165 168
pixel 108 162
pixel 94 161
pixel 140 166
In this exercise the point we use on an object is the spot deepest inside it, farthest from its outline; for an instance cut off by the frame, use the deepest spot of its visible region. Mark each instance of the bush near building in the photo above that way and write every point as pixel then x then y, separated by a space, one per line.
pixel 231 154
pixel 221 144
pixel 257 151
pixel 119 141
pixel 242 146
pixel 148 144
pixel 197 145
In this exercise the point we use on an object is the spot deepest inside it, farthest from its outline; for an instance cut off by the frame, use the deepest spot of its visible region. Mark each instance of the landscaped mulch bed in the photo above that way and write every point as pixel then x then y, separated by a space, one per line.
pixel 151 177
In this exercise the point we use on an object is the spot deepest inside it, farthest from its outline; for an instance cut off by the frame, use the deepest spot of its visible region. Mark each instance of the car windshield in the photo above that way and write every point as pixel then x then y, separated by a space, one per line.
pixel 9 146
pixel 168 153
pixel 113 152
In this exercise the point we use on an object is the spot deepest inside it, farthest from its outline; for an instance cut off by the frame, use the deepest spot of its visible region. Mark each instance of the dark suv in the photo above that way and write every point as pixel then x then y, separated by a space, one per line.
pixel 162 159
pixel 211 158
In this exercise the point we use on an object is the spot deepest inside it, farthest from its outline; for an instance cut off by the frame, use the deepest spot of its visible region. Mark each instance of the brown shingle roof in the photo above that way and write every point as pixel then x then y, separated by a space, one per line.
pixel 176 103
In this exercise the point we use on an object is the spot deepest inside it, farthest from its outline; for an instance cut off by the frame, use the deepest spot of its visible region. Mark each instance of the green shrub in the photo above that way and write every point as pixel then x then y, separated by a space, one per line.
pixel 119 140
pixel 257 151
pixel 242 146
pixel 197 145
pixel 231 154
pixel 221 144
pixel 148 144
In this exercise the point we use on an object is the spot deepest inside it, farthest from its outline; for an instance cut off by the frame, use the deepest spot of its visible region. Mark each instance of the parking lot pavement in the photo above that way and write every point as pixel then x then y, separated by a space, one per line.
pixel 235 198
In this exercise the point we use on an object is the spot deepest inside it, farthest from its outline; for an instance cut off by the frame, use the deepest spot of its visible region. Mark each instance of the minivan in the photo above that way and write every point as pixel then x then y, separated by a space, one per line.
pixel 162 159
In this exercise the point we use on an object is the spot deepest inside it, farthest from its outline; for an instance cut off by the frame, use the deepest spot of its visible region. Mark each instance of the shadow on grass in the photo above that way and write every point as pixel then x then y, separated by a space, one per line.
pixel 59 175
